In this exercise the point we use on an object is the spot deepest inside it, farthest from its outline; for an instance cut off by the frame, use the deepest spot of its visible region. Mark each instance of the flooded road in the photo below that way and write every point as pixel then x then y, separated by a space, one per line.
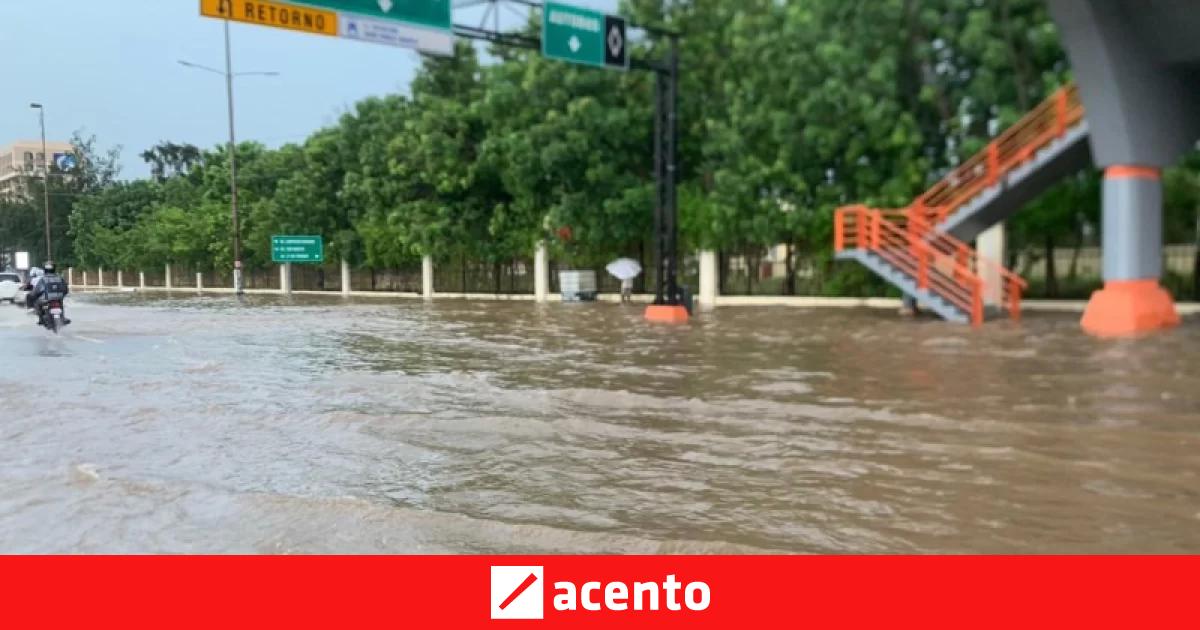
pixel 192 424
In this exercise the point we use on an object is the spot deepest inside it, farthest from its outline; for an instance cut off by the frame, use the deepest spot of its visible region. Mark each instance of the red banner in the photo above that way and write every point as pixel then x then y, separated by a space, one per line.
pixel 597 591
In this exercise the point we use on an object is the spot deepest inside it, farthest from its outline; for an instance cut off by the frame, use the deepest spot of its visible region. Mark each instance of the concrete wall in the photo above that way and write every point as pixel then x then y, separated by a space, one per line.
pixel 1176 259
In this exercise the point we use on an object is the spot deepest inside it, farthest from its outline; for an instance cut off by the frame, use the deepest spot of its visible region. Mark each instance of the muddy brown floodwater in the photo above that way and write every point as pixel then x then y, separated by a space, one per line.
pixel 191 424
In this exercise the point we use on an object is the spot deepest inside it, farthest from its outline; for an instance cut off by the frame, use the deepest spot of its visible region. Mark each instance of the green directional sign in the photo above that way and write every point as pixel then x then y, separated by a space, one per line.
pixel 584 36
pixel 431 13
pixel 424 25
pixel 297 249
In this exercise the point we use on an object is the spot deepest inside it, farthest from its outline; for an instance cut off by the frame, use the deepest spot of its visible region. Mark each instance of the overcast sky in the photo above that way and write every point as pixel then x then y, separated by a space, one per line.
pixel 111 69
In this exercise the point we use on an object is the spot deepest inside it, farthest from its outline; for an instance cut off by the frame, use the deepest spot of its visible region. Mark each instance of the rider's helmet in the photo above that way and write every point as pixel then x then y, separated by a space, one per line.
pixel 49 266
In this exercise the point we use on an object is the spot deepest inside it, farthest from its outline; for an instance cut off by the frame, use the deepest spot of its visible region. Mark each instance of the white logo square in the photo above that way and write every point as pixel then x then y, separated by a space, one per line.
pixel 517 592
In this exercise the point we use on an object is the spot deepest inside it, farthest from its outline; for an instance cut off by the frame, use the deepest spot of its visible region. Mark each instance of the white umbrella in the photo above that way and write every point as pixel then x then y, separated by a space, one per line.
pixel 624 268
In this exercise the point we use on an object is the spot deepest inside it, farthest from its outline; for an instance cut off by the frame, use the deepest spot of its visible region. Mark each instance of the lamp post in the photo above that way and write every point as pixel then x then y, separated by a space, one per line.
pixel 229 74
pixel 45 174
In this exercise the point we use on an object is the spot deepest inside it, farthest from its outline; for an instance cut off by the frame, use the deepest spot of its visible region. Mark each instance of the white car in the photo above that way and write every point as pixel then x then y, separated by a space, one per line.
pixel 10 287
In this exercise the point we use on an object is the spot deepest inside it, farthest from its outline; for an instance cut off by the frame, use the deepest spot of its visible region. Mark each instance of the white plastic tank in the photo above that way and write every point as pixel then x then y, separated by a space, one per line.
pixel 577 286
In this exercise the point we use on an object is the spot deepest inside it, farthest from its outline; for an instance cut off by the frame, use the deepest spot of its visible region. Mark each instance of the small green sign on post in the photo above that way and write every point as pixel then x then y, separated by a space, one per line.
pixel 584 36
pixel 297 249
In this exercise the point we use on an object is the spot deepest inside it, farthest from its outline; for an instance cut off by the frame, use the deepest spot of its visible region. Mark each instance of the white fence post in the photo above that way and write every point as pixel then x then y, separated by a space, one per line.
pixel 708 279
pixel 427 277
pixel 285 278
pixel 541 273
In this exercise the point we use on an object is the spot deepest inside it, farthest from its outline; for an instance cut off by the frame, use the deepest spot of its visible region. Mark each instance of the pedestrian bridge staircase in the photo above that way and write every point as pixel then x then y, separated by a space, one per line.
pixel 923 250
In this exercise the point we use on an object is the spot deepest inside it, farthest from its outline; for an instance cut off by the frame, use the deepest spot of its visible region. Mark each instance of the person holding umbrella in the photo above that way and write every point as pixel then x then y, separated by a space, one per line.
pixel 625 270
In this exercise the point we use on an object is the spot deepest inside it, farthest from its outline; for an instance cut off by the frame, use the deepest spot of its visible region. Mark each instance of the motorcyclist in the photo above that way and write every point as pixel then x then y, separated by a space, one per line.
pixel 34 278
pixel 48 285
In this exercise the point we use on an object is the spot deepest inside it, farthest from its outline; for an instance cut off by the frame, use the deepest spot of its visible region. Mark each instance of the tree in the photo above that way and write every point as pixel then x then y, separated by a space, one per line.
pixel 369 194
pixel 443 195
pixel 100 222
pixel 168 159
pixel 579 156
pixel 21 227
pixel 309 200
pixel 23 224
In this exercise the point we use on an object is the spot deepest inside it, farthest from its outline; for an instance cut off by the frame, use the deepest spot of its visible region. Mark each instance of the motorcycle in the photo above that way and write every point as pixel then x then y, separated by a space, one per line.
pixel 52 316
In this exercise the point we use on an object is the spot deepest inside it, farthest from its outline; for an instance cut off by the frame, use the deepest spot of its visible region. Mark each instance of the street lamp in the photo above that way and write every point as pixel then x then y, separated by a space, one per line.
pixel 45 174
pixel 233 198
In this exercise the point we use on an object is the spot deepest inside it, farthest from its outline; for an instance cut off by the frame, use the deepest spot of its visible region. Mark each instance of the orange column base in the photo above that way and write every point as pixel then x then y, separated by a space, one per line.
pixel 1129 308
pixel 666 314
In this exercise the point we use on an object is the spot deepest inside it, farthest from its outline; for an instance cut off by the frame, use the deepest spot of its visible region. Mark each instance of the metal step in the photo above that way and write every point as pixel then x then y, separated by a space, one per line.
pixel 907 284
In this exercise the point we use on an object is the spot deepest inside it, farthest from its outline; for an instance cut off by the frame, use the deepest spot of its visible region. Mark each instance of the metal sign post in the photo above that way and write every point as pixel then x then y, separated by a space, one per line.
pixel 666 215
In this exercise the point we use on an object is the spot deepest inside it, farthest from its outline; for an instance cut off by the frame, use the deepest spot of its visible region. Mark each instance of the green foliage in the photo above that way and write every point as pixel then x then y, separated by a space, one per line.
pixel 167 159
pixel 104 223
pixel 22 217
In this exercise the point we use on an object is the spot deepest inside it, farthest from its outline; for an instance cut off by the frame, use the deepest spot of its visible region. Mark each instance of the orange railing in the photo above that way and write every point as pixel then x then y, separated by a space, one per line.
pixel 1046 123
pixel 939 262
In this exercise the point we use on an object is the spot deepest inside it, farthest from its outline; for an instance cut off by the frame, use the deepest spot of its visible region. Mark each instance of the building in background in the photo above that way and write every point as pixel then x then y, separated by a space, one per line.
pixel 23 160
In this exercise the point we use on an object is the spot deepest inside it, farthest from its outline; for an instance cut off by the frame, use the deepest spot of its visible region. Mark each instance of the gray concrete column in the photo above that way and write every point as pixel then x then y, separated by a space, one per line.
pixel 709 279
pixel 345 277
pixel 990 246
pixel 120 279
pixel 427 277
pixel 1132 228
pixel 70 276
pixel 167 277
pixel 199 281
pixel 1132 302
pixel 285 278
pixel 141 279
pixel 100 280
pixel 85 278
pixel 541 273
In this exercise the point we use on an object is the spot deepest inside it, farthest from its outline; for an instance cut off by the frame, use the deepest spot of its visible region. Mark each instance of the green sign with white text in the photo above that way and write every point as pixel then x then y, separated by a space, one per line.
pixel 297 249
pixel 424 25
pixel 584 36
pixel 429 13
